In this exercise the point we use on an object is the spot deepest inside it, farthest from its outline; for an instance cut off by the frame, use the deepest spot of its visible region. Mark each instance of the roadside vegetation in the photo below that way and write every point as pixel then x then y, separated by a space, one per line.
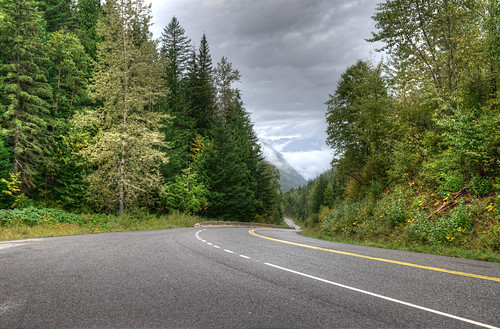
pixel 33 222
pixel 416 137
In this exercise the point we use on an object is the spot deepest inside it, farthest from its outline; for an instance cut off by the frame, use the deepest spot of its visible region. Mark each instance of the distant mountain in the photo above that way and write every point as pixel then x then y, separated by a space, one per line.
pixel 290 178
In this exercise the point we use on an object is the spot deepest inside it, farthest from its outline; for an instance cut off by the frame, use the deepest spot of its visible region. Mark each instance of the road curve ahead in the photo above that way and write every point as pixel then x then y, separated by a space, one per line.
pixel 237 278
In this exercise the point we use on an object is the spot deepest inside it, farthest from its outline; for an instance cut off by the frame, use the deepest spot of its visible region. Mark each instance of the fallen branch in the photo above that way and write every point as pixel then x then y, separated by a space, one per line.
pixel 451 203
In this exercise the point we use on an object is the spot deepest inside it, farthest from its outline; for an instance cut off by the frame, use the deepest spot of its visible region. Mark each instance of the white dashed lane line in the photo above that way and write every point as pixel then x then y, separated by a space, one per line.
pixel 217 247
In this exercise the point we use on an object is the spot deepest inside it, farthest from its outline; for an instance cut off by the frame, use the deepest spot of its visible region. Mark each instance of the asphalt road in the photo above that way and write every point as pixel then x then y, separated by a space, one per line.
pixel 233 278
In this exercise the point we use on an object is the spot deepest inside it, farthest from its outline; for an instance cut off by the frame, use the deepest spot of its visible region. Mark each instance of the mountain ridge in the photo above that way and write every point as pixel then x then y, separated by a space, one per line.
pixel 290 178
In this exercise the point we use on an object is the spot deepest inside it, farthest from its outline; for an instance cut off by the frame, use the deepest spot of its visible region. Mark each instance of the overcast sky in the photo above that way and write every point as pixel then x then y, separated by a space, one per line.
pixel 290 54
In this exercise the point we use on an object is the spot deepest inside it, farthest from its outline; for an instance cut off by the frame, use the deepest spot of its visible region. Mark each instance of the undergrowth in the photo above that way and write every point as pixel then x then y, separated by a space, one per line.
pixel 33 222
pixel 464 224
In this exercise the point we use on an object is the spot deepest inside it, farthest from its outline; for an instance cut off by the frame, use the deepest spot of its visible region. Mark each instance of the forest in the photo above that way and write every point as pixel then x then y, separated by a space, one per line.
pixel 416 136
pixel 98 117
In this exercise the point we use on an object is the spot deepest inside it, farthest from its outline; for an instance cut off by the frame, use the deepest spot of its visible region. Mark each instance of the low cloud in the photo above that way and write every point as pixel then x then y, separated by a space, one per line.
pixel 309 163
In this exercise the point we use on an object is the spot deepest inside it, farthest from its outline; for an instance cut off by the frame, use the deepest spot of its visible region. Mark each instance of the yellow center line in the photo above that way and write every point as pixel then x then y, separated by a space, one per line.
pixel 437 269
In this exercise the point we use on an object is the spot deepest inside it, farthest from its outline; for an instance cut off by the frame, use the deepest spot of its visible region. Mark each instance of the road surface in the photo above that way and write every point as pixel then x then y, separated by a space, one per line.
pixel 237 278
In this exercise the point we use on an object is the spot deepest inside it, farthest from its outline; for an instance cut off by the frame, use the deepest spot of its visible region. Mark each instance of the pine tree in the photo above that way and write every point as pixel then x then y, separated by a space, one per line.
pixel 125 152
pixel 24 91
pixel 225 76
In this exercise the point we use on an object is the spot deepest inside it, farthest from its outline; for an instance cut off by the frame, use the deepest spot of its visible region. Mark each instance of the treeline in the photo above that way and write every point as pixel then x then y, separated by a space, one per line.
pixel 417 137
pixel 96 115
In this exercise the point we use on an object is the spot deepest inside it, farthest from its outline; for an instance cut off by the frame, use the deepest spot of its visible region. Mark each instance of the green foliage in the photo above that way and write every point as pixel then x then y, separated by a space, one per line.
pixel 185 193
pixel 449 229
pixel 58 14
pixel 358 122
pixel 87 15
pixel 24 91
pixel 491 240
pixel 5 171
pixel 125 151
pixel 37 216
pixel 68 73
pixel 11 192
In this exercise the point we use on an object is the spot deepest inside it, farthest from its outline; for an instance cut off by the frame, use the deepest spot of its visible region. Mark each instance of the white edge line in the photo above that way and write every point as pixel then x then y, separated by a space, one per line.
pixel 385 297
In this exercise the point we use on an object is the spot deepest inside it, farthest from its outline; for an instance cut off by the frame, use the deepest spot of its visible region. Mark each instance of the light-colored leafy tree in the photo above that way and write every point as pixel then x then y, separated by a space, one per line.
pixel 125 150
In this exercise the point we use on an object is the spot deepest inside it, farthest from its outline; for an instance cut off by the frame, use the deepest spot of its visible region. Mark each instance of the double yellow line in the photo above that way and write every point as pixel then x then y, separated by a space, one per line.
pixel 437 269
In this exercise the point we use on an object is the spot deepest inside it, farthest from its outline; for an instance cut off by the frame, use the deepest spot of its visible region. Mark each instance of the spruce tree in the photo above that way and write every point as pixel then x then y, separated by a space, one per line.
pixel 24 91
pixel 231 194
pixel 201 90
pixel 58 15
pixel 176 48
pixel 179 130
pixel 67 73
pixel 5 170
pixel 125 151
pixel 88 13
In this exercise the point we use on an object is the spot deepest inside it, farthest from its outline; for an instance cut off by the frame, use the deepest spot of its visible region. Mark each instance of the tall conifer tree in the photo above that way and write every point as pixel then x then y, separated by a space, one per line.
pixel 125 152
pixel 201 88
pixel 88 13
pixel 58 15
pixel 24 91
pixel 176 49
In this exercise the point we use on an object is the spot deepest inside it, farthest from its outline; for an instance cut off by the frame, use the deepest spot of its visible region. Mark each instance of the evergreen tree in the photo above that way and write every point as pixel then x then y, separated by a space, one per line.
pixel 318 194
pixel 88 13
pixel 125 151
pixel 67 74
pixel 176 48
pixel 231 192
pixel 5 171
pixel 179 131
pixel 24 91
pixel 201 91
pixel 225 76
pixel 58 15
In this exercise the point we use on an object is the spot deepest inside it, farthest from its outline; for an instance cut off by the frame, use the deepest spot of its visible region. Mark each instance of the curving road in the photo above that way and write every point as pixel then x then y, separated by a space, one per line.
pixel 237 278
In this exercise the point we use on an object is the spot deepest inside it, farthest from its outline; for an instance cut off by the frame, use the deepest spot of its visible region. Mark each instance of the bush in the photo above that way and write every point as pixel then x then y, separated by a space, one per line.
pixel 491 239
pixel 449 229
pixel 35 216
pixel 482 186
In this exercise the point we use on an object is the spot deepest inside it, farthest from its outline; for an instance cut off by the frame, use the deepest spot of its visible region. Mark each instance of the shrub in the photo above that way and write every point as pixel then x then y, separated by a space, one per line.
pixel 491 239
pixel 35 216
pixel 481 186
pixel 448 229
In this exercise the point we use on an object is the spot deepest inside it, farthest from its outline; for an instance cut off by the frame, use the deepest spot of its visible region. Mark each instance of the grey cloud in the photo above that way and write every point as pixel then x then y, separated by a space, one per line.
pixel 290 53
